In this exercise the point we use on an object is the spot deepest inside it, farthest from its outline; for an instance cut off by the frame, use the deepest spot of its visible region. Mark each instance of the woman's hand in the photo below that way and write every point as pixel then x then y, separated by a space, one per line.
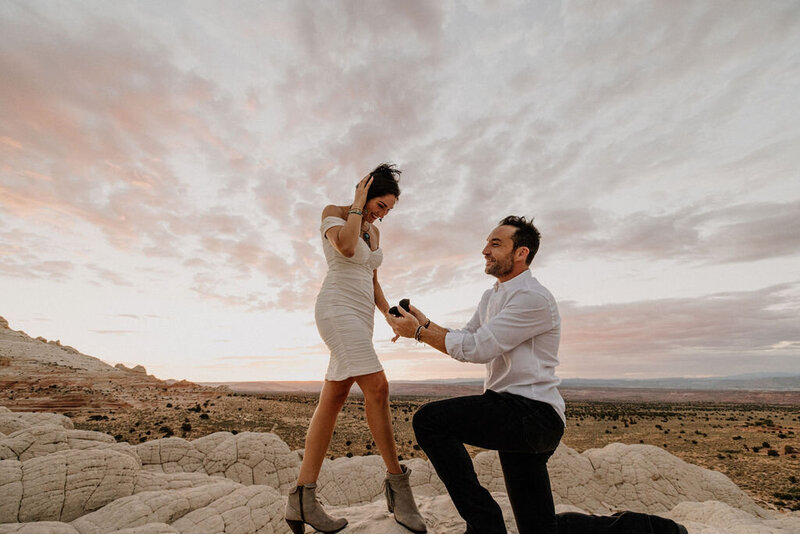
pixel 360 199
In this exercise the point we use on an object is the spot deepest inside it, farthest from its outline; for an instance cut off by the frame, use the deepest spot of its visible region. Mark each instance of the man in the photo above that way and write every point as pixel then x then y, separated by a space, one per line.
pixel 515 331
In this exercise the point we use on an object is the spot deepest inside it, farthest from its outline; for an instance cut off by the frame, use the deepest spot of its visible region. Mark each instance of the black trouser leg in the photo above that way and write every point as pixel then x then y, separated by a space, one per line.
pixel 619 523
pixel 525 432
pixel 528 488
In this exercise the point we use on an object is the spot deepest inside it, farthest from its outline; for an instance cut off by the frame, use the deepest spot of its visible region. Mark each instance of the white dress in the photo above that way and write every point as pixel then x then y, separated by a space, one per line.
pixel 345 308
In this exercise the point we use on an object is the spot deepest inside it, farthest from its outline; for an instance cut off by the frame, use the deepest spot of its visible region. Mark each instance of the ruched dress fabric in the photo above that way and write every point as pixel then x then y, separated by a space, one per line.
pixel 345 308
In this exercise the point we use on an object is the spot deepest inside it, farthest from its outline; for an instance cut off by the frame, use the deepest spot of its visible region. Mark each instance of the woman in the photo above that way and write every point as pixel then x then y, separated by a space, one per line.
pixel 344 315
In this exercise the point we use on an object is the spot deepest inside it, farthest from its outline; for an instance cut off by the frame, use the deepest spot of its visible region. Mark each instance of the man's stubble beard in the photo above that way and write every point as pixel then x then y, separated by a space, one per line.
pixel 500 267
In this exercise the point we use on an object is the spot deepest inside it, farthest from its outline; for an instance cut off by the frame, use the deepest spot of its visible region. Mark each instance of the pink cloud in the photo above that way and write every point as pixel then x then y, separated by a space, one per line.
pixel 732 327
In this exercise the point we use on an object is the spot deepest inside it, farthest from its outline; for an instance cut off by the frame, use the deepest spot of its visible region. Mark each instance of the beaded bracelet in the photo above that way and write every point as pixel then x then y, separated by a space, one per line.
pixel 356 211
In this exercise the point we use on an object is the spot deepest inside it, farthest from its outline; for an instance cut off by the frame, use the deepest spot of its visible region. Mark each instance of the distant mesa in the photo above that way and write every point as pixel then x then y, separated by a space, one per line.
pixel 181 384
pixel 137 369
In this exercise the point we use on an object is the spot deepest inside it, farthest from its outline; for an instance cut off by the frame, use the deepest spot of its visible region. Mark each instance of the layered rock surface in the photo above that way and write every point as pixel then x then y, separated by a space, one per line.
pixel 37 374
pixel 57 479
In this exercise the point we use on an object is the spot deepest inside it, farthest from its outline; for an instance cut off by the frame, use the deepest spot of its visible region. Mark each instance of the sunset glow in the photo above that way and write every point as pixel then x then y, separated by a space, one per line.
pixel 163 167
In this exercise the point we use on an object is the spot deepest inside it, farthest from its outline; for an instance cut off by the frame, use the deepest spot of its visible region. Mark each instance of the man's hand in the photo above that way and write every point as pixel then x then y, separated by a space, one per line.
pixel 418 315
pixel 404 326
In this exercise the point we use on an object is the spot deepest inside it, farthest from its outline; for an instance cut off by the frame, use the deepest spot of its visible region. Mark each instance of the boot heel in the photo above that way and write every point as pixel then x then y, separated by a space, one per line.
pixel 389 500
pixel 297 527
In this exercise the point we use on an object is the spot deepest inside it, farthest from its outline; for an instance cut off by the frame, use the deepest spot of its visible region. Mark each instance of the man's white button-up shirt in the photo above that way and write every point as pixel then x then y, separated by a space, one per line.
pixel 515 331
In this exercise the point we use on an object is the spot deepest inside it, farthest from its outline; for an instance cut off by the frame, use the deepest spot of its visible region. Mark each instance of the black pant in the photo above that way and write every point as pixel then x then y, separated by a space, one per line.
pixel 525 432
pixel 619 523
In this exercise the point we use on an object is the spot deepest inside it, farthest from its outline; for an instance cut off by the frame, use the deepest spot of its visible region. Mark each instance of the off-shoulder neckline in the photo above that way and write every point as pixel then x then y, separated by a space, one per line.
pixel 341 219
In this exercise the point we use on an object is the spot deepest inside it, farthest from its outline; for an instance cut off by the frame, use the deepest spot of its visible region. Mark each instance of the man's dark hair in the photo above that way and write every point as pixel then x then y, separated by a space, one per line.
pixel 384 181
pixel 526 235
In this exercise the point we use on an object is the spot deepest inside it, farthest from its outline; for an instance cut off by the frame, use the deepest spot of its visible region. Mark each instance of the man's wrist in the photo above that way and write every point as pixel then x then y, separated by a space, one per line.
pixel 418 333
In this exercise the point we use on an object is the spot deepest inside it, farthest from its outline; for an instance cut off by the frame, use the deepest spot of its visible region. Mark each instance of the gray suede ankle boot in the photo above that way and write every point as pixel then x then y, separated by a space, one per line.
pixel 303 507
pixel 400 501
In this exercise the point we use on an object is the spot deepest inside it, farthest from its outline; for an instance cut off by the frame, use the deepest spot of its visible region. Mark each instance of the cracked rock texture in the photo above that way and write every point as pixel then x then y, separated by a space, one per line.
pixel 59 480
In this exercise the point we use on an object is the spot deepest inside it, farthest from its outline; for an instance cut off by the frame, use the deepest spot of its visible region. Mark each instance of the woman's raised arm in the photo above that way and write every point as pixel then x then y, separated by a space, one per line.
pixel 345 238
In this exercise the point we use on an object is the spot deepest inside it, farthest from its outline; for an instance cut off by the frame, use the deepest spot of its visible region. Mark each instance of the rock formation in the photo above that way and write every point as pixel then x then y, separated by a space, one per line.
pixel 37 374
pixel 59 480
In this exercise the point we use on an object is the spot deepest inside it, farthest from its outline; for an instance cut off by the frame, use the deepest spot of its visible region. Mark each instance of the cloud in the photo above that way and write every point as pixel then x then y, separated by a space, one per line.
pixel 97 115
pixel 114 332
pixel 345 97
pixel 199 146
pixel 110 276
pixel 731 234
pixel 746 329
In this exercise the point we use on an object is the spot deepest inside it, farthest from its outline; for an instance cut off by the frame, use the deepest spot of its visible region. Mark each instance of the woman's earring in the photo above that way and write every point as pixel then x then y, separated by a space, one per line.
pixel 381 219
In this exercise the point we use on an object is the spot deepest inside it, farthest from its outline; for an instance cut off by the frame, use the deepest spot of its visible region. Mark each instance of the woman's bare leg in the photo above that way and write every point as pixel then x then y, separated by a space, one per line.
pixel 320 431
pixel 376 396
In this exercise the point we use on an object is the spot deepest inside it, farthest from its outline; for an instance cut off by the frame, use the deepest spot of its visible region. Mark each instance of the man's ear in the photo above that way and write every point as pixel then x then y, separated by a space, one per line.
pixel 522 253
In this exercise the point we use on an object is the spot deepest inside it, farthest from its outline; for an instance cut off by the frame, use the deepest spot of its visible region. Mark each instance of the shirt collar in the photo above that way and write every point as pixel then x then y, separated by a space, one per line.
pixel 517 281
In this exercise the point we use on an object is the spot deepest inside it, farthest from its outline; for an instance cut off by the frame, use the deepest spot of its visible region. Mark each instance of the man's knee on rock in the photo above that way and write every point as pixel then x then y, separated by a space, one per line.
pixel 421 421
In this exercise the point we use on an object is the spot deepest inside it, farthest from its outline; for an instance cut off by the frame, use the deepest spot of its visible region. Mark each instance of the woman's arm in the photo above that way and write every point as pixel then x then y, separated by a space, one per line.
pixel 345 238
pixel 380 299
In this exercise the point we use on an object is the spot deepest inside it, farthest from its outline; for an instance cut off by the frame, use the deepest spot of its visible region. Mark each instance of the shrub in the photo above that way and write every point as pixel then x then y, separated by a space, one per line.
pixel 772 452
pixel 186 427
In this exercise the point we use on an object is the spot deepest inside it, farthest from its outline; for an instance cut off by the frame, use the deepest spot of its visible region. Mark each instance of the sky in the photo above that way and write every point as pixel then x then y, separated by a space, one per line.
pixel 163 167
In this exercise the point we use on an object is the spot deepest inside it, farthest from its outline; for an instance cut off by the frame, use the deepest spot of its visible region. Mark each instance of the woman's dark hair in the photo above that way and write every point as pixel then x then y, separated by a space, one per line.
pixel 526 235
pixel 384 181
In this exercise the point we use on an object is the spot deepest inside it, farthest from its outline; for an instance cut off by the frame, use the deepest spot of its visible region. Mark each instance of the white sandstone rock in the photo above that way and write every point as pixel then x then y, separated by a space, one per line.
pixel 714 516
pixel 257 509
pixel 254 458
pixel 170 455
pixel 152 507
pixel 153 481
pixel 13 421
pixel 150 528
pixel 42 527
pixel 64 485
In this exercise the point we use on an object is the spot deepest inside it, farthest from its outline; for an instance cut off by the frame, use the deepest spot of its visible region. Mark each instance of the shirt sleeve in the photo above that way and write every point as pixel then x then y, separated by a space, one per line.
pixel 525 315
pixel 471 327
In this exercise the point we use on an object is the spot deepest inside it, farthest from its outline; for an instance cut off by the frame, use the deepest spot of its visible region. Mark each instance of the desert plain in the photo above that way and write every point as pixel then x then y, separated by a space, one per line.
pixel 751 437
